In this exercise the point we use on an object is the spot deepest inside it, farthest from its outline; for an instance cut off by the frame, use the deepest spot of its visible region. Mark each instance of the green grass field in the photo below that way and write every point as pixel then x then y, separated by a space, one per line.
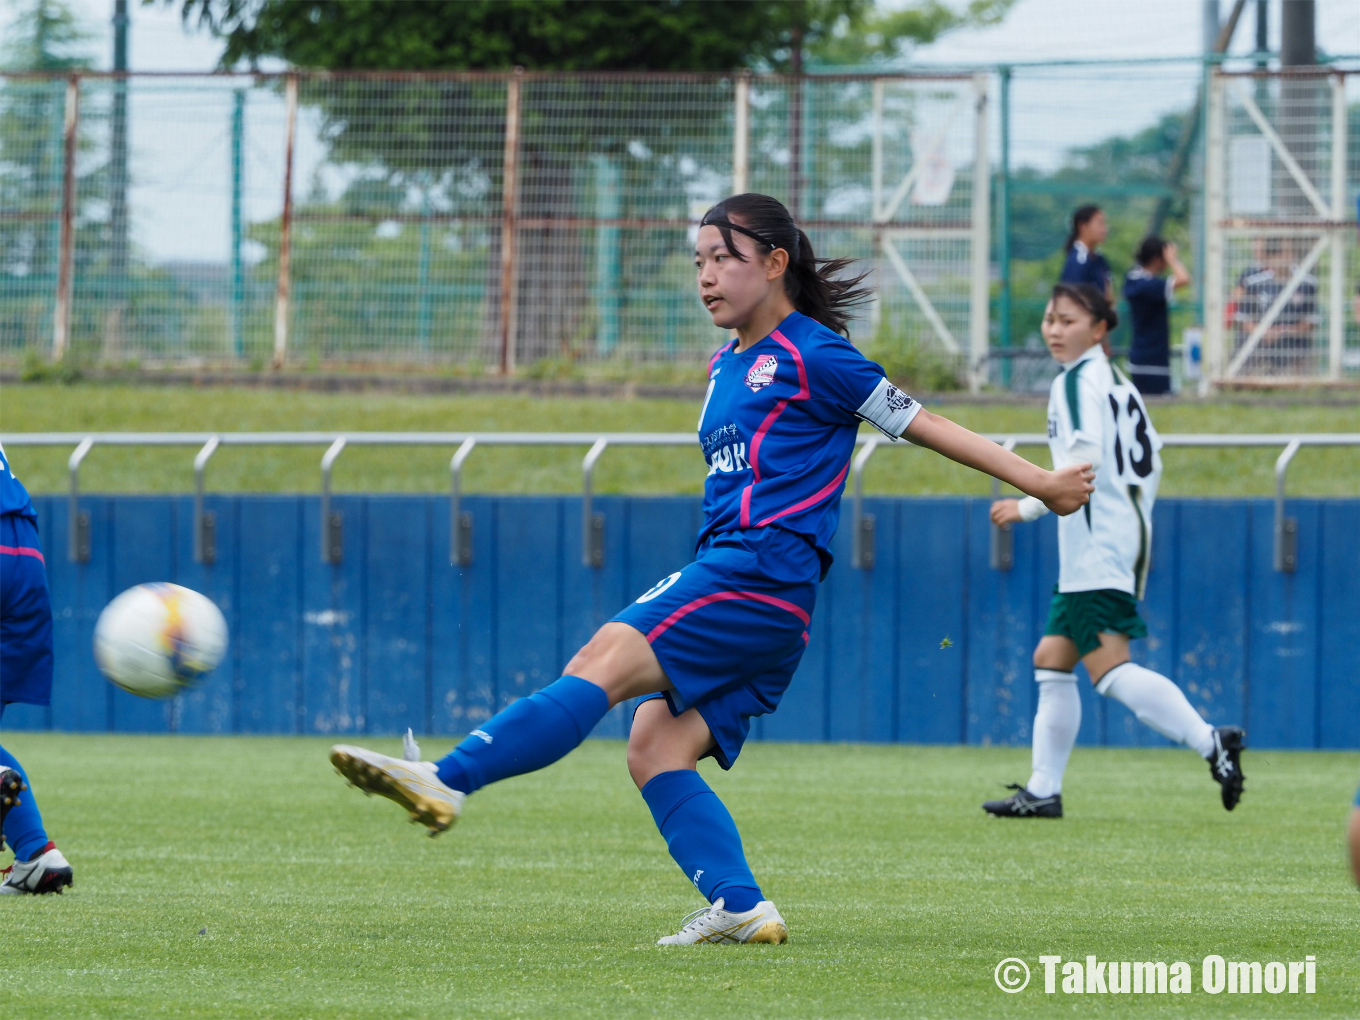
pixel 233 877
pixel 51 407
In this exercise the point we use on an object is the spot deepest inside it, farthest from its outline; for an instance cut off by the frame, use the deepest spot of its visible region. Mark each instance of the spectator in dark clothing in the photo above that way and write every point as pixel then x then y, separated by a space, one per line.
pixel 1149 294
pixel 1084 263
pixel 1286 345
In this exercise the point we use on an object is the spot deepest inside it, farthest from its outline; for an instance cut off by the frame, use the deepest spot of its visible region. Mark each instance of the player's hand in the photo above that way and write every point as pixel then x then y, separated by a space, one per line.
pixel 1069 489
pixel 1169 251
pixel 1006 511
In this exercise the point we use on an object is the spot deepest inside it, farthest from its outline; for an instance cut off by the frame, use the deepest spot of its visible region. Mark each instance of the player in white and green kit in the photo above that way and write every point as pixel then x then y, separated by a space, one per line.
pixel 1096 416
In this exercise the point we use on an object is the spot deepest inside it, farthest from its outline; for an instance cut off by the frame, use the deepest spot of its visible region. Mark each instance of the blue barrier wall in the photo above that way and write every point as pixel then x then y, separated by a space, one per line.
pixel 394 637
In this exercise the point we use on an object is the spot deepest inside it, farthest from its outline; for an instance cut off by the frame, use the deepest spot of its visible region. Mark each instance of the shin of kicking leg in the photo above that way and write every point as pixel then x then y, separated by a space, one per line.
pixel 697 827
pixel 1158 703
pixel 24 831
pixel 536 731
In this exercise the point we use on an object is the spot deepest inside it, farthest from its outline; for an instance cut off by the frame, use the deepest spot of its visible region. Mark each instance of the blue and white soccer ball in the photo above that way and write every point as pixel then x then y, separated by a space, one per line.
pixel 155 640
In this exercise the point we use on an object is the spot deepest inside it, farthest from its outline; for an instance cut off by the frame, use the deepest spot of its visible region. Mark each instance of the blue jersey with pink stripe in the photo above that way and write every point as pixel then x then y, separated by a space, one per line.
pixel 778 429
pixel 13 496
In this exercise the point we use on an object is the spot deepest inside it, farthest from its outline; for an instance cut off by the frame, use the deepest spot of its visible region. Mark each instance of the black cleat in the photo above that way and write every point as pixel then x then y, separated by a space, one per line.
pixel 1225 764
pixel 10 788
pixel 1023 804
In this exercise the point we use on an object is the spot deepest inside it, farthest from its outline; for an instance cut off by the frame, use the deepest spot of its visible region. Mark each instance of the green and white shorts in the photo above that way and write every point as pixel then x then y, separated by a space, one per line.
pixel 1082 616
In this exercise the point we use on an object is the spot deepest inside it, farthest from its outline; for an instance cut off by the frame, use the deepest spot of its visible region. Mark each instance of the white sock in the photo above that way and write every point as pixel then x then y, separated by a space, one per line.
pixel 1055 730
pixel 1158 703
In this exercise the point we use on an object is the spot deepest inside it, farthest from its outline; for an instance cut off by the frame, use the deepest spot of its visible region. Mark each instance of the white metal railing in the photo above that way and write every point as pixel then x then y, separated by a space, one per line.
pixel 592 523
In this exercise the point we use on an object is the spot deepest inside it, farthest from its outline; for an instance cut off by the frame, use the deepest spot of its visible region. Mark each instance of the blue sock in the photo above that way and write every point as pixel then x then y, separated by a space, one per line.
pixel 702 837
pixel 528 735
pixel 23 824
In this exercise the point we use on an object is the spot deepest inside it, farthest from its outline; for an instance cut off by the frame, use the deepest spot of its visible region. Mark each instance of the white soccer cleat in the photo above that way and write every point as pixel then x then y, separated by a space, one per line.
pixel 413 784
pixel 715 925
pixel 47 873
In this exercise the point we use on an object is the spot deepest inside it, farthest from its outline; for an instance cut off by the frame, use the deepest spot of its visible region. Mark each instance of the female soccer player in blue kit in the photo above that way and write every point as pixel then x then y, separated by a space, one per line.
pixel 716 642
pixel 25 676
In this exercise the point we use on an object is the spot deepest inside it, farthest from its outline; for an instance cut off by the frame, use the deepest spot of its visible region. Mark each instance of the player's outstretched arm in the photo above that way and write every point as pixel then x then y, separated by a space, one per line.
pixel 1063 491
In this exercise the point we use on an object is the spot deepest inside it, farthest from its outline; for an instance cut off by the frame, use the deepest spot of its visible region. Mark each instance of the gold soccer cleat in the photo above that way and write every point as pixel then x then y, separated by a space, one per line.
pixel 412 784
pixel 717 926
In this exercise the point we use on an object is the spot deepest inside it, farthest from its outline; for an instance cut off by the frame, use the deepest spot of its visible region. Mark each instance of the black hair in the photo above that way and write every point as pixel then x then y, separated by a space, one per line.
pixel 813 285
pixel 1089 298
pixel 1150 249
pixel 1082 216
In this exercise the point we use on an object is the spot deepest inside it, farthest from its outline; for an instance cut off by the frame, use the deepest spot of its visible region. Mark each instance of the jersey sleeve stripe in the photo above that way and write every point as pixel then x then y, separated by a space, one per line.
pixel 812 500
pixel 1074 396
pixel 787 344
pixel 718 354
pixel 22 550
pixel 727 596
pixel 746 506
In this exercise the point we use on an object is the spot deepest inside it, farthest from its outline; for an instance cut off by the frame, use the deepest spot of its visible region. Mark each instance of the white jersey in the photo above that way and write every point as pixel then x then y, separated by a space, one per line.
pixel 1095 414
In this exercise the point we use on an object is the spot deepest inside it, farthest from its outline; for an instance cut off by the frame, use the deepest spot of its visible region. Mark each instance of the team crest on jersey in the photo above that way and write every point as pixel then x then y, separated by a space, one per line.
pixel 762 372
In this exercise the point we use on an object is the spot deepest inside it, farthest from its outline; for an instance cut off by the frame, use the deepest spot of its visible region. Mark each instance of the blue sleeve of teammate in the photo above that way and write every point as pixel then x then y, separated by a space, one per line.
pixel 846 386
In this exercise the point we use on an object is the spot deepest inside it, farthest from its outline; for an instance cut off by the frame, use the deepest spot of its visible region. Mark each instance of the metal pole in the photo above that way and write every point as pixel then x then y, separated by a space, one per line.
pixel 862 545
pixel 332 547
pixel 238 287
pixel 1213 233
pixel 118 183
pixel 1286 528
pixel 979 297
pixel 286 230
pixel 61 333
pixel 509 212
pixel 1003 222
pixel 592 524
pixel 1336 298
pixel 77 522
pixel 1209 24
pixel 205 546
pixel 741 133
pixel 876 203
pixel 460 524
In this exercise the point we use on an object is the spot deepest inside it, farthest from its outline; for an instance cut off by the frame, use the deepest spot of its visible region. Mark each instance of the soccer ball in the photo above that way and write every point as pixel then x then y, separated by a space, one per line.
pixel 155 640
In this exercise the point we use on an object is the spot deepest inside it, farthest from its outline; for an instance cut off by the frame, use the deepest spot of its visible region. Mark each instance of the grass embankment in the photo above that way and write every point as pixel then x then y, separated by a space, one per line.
pixel 234 877
pixel 44 407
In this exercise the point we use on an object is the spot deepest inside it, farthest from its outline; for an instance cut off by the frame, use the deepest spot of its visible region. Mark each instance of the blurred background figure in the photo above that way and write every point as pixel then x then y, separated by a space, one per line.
pixel 1084 262
pixel 1286 346
pixel 1149 293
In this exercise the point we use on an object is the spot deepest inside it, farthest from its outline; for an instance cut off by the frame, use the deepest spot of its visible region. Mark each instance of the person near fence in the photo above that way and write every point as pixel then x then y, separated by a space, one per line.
pixel 1095 415
pixel 1275 302
pixel 1084 263
pixel 25 677
pixel 715 643
pixel 1150 293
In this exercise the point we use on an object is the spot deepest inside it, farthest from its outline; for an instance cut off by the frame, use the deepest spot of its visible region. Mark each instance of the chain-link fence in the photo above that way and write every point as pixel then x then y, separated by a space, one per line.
pixel 465 220
pixel 1282 253
pixel 543 223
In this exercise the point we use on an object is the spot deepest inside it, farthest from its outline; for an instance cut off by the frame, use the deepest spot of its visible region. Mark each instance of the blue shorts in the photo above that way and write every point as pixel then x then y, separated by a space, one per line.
pixel 25 615
pixel 730 628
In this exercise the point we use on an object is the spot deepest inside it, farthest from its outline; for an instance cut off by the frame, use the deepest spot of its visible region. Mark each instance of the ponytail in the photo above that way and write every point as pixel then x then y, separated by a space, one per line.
pixel 814 285
pixel 1080 218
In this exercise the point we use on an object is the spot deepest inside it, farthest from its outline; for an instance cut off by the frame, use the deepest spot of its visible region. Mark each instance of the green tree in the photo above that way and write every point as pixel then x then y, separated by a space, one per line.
pixel 574 35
